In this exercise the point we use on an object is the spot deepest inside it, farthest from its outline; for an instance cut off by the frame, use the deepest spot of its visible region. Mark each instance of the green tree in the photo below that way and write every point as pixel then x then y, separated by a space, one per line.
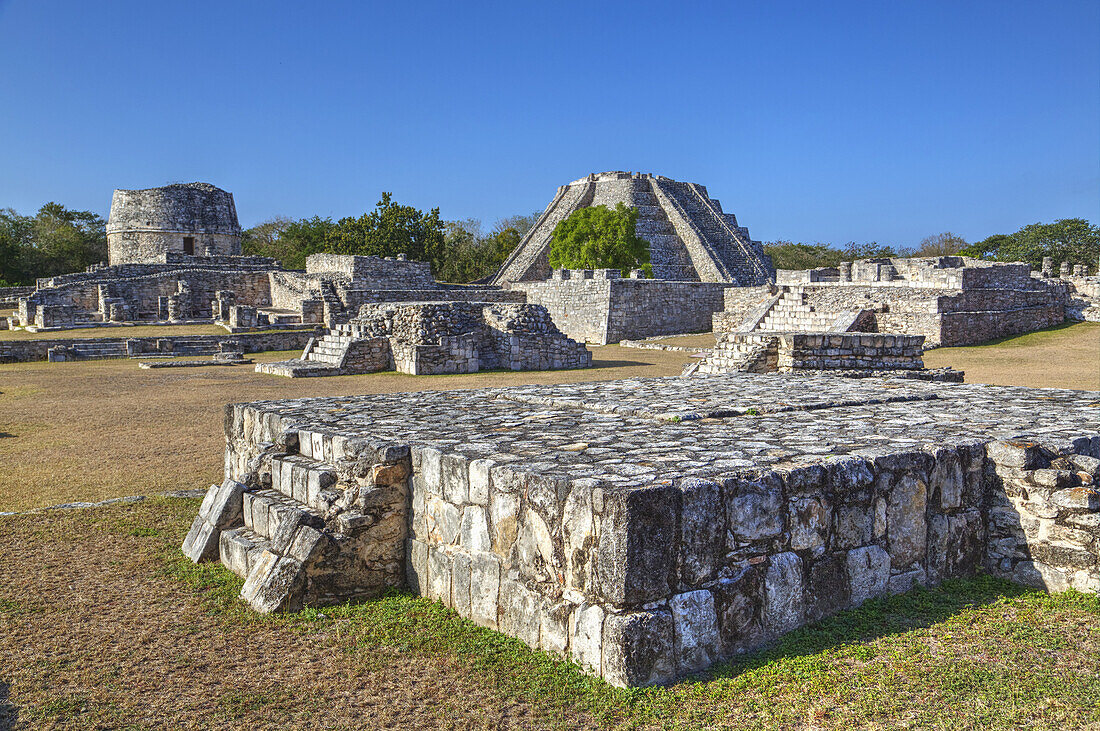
pixel 598 237
pixel 391 229
pixel 16 241
pixel 1072 240
pixel 288 241
pixel 986 248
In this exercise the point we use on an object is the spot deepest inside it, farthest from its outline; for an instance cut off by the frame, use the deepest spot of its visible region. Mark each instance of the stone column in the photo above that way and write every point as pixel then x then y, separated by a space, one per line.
pixel 1048 266
pixel 1063 269
pixel 845 268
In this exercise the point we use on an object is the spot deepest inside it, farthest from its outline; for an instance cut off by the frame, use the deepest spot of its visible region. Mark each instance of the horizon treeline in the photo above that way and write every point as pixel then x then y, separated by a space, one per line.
pixel 58 240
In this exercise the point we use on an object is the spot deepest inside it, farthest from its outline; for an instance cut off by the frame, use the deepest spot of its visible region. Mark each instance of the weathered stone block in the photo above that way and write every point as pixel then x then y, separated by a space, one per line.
pixel 809 519
pixel 554 627
pixel 637 545
pixel 475 529
pixel 738 602
pixel 431 467
pixel 586 636
pixel 439 576
pixel 485 589
pixel 479 481
pixel 826 586
pixel 754 510
pixel 638 648
pixel 519 611
pixel 534 553
pixel 456 478
pixel 905 521
pixel 1026 455
pixel 702 531
pixel 443 521
pixel 274 584
pixel 461 584
pixel 417 566
pixel 579 540
pixel 504 522
pixel 201 543
pixel 695 625
pixel 784 608
pixel 868 573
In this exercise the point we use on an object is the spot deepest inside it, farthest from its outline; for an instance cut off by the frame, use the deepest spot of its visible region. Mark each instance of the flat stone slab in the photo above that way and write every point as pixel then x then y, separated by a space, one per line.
pixel 639 432
pixel 192 363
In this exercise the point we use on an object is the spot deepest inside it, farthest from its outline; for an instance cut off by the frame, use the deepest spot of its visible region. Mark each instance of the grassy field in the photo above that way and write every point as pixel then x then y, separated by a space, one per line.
pixel 1067 356
pixel 104 625
pixel 100 429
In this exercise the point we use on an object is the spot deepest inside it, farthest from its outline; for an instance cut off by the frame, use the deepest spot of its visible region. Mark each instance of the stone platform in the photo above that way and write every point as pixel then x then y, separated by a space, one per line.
pixel 648 528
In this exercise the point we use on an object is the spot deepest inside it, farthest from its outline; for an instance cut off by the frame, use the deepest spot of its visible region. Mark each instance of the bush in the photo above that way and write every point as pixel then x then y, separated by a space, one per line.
pixel 599 238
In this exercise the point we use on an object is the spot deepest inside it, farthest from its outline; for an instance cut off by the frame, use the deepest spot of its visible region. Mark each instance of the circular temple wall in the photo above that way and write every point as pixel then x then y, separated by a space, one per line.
pixel 198 219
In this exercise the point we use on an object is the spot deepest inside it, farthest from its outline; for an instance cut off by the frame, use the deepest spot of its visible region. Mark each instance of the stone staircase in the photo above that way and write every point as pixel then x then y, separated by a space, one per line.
pixel 324 357
pixel 97 349
pixel 790 313
pixel 302 529
pixel 745 354
pixel 726 246
pixel 667 255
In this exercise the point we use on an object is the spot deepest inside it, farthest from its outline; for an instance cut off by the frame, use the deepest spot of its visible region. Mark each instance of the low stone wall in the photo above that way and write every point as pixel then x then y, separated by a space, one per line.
pixel 22 351
pixel 10 296
pixel 850 351
pixel 598 306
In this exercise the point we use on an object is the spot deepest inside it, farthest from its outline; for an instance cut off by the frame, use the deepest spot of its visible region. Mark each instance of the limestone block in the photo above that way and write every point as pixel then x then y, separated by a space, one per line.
pixel 431 468
pixel 578 539
pixel 534 553
pixel 784 609
pixel 201 543
pixel 274 584
pixel 846 475
pixel 638 648
pixel 308 543
pixel 868 573
pixel 484 589
pixel 695 626
pixel 1076 499
pixel 809 519
pixel 419 504
pixel 702 531
pixel 519 611
pixel 637 552
pixel 474 532
pixel 738 600
pixel 504 517
pixel 554 627
pixel 417 566
pixel 443 521
pixel 439 576
pixel 880 518
pixel 222 505
pixel 947 477
pixel 456 478
pixel 461 583
pixel 1041 576
pixel 855 525
pixel 755 510
pixel 905 521
pixel 586 636
pixel 479 481
pixel 826 585
pixel 1021 454
pixel 546 494
pixel 901 583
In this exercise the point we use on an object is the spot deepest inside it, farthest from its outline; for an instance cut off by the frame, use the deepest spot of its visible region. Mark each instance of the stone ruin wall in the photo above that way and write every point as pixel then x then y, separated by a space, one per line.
pixel 144 226
pixel 599 306
pixel 645 585
pixel 378 272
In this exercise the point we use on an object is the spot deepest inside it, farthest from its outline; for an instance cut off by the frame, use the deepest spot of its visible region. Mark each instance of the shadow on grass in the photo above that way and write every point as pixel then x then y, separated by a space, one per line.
pixel 919 608
pixel 9 714
pixel 597 364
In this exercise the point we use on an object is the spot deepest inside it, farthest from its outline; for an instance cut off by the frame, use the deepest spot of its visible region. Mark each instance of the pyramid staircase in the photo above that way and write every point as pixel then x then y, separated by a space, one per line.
pixel 321 357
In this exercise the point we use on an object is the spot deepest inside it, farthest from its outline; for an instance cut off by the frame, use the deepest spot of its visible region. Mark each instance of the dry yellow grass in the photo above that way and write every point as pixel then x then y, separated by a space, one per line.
pixel 102 429
pixel 99 429
pixel 1062 357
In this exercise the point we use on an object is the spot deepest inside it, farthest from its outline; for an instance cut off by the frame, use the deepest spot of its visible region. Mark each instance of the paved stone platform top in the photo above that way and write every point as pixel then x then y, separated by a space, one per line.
pixel 638 432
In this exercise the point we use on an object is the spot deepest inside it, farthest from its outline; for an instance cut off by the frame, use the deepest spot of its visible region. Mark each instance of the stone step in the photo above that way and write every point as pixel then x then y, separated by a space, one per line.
pixel 308 481
pixel 239 549
pixel 276 517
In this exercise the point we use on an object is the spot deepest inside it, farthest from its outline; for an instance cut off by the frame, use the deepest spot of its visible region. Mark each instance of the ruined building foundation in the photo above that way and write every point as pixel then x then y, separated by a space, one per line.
pixel 649 528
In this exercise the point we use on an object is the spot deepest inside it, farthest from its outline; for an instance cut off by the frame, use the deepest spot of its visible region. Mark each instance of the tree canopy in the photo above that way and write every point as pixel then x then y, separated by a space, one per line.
pixel 598 237
pixel 1072 240
pixel 54 241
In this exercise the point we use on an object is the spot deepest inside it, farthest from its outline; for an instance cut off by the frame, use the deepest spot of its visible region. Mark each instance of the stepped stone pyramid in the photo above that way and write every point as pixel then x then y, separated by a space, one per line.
pixel 690 237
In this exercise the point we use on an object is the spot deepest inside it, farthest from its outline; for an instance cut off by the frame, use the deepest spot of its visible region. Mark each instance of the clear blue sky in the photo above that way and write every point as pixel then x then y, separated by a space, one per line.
pixel 817 121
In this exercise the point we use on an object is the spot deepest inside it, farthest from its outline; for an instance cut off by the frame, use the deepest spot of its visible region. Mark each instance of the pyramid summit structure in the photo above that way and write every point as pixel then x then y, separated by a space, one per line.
pixel 690 237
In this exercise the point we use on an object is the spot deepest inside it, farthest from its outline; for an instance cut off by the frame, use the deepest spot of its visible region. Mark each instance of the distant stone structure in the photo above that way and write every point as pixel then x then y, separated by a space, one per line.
pixel 850 354
pixel 648 528
pixel 431 338
pixel 950 300
pixel 192 219
pixel 690 237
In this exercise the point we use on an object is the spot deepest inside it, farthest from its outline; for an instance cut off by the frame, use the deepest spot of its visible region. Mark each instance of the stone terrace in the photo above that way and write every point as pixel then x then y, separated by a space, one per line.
pixel 648 528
